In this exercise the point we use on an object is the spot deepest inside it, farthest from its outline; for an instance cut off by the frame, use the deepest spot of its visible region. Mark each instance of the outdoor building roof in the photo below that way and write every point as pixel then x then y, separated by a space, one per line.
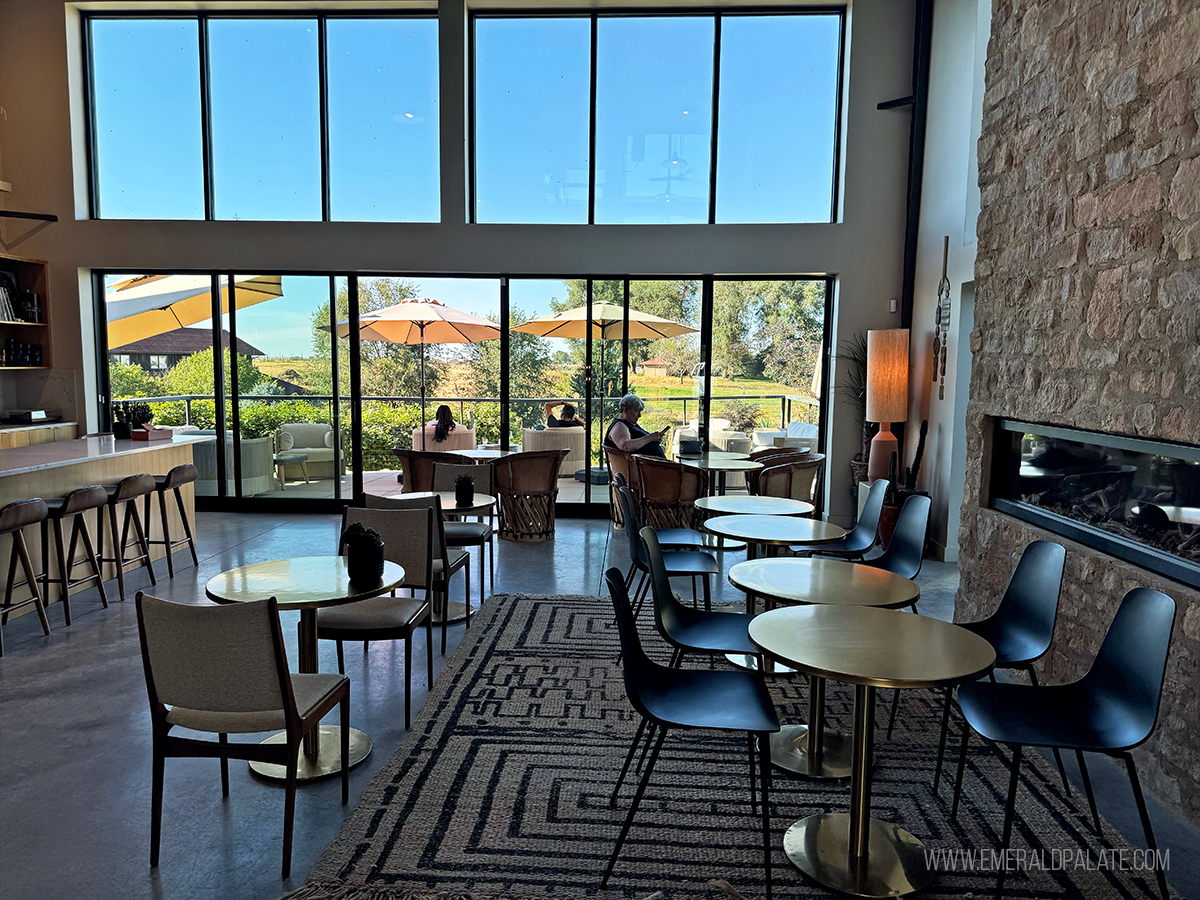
pixel 183 340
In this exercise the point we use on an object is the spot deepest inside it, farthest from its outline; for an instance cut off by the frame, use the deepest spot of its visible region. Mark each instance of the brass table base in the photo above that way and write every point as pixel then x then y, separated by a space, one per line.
pixel 789 751
pixel 458 613
pixel 329 756
pixel 819 847
pixel 749 662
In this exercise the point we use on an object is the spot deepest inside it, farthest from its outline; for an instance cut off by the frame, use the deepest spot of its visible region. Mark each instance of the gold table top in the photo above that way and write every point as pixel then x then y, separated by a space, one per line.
pixel 750 505
pixel 782 530
pixel 712 463
pixel 879 647
pixel 450 505
pixel 826 581
pixel 306 582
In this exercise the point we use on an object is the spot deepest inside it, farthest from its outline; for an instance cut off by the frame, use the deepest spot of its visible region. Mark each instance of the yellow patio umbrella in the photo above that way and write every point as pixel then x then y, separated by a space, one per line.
pixel 149 305
pixel 607 323
pixel 421 321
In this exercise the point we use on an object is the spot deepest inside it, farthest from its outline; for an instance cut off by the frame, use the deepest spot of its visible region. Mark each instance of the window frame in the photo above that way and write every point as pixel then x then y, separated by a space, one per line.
pixel 718 15
pixel 202 19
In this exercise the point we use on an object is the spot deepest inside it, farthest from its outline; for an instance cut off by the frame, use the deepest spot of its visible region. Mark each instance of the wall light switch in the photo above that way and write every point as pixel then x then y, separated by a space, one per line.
pixel 5 186
pixel 893 304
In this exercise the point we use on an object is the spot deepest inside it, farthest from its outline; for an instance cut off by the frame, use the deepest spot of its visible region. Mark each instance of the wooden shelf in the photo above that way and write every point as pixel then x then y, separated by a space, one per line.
pixel 31 275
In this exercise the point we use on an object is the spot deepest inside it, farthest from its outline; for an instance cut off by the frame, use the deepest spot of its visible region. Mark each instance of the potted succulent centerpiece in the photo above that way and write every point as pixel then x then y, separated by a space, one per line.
pixel 464 490
pixel 364 554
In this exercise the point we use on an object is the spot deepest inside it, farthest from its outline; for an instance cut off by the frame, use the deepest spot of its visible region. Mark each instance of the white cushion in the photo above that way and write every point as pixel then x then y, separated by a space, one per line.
pixel 801 430
pixel 286 440
pixel 316 454
pixel 329 439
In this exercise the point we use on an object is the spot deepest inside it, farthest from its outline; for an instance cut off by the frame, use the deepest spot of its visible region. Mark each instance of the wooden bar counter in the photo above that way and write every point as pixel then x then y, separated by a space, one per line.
pixel 53 469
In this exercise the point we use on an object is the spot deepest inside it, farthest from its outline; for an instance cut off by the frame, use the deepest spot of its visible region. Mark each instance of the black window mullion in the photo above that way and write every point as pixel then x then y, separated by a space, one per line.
pixel 206 120
pixel 587 393
pixel 624 345
pixel 592 140
pixel 826 387
pixel 218 382
pixel 234 388
pixel 89 100
pixel 335 401
pixel 471 162
pixel 323 97
pixel 837 119
pixel 505 350
pixel 716 106
pixel 356 454
pixel 706 336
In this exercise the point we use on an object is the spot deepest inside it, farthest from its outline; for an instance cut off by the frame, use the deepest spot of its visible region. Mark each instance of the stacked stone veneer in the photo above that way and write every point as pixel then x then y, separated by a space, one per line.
pixel 1088 299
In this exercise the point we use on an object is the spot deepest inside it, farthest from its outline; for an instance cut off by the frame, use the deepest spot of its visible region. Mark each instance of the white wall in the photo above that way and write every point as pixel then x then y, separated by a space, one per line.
pixel 949 206
pixel 39 78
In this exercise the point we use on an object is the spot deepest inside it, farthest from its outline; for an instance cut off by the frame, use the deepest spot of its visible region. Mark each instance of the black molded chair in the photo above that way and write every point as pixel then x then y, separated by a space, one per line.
pixel 866 530
pixel 668 698
pixel 1112 709
pixel 679 563
pixel 691 630
pixel 1022 626
pixel 906 551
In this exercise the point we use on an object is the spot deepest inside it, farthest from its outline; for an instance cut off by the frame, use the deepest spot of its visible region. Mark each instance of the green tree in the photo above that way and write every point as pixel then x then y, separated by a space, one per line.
pixel 129 380
pixel 194 374
pixel 529 368
pixel 389 370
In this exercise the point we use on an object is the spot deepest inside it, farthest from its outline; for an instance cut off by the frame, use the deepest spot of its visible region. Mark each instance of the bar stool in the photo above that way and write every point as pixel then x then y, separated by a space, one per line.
pixel 173 481
pixel 127 491
pixel 72 506
pixel 13 518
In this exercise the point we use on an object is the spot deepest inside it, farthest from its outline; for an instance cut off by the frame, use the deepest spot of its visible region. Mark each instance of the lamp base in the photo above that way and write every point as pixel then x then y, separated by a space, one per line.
pixel 883 445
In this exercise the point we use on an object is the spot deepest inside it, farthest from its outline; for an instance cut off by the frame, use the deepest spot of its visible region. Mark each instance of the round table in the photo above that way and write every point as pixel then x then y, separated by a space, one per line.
pixel 750 505
pixel 869 648
pixel 481 453
pixel 722 464
pixel 305 584
pixel 289 458
pixel 813 750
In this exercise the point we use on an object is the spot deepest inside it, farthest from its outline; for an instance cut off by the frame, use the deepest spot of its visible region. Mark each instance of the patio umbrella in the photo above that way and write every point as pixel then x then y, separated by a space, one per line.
pixel 607 323
pixel 421 321
pixel 150 305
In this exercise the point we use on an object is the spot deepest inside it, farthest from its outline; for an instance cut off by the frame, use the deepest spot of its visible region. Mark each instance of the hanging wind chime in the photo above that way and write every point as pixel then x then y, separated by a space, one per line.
pixel 941 327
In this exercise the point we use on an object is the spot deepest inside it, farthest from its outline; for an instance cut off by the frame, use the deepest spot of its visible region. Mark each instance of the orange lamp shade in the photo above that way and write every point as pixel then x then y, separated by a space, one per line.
pixel 887 375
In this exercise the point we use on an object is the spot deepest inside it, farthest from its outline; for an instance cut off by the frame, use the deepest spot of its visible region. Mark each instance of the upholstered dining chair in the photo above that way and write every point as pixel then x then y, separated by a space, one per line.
pixel 621 464
pixel 1110 710
pixel 417 467
pixel 668 698
pixel 527 488
pixel 479 533
pixel 446 560
pixel 408 536
pixel 223 670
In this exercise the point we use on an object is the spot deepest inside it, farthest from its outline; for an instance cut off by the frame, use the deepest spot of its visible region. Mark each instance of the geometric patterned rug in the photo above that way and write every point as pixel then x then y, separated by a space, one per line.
pixel 501 788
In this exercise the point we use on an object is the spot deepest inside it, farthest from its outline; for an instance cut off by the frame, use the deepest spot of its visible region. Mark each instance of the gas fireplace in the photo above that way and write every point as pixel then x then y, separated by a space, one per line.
pixel 1133 498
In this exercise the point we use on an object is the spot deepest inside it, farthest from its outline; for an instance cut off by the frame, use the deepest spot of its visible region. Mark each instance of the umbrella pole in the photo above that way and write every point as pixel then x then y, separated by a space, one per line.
pixel 602 392
pixel 422 327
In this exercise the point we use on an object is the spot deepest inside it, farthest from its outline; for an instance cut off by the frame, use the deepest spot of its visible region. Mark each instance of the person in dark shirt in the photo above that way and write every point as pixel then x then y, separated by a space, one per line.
pixel 624 433
pixel 568 419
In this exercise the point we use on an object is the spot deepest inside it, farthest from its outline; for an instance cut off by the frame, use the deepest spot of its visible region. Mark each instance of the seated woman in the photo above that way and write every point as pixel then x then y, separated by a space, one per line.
pixel 568 419
pixel 443 423
pixel 624 433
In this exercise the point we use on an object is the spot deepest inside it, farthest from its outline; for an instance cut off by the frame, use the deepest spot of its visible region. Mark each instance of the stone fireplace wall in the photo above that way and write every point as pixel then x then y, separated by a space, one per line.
pixel 1088 299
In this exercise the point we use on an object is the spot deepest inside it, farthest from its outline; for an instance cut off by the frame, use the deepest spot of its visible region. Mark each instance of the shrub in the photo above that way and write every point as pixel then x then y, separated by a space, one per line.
pixel 743 415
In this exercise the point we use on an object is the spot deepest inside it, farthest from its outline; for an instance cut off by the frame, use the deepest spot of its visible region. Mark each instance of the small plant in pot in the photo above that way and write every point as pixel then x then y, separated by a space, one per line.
pixel 364 554
pixel 130 416
pixel 464 490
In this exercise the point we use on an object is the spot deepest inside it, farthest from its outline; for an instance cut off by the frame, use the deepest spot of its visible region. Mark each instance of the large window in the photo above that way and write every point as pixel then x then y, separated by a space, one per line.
pixel 147 145
pixel 266 125
pixel 227 117
pixel 653 151
pixel 531 125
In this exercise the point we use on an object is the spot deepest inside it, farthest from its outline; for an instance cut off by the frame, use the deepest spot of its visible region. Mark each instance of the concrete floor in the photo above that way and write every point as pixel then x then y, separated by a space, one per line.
pixel 75 735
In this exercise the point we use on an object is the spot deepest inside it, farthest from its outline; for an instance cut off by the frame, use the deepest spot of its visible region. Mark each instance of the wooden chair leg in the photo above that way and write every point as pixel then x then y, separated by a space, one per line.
pixel 344 715
pixel 66 562
pixel 31 578
pixel 143 544
pixel 118 555
pixel 407 680
pixel 156 801
pixel 93 557
pixel 223 740
pixel 289 802
pixel 187 527
pixel 166 530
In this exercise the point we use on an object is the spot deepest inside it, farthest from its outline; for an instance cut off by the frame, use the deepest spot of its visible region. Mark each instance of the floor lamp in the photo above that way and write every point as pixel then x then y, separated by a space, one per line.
pixel 887 394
